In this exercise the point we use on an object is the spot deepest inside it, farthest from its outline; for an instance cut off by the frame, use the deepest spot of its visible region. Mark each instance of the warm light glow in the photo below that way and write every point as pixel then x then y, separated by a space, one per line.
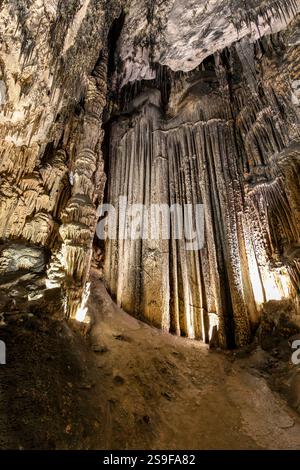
pixel 267 284
pixel 52 284
pixel 213 322
pixel 272 289
pixel 278 286
pixel 255 278
pixel 34 296
pixel 81 315
pixel 285 284
pixel 257 287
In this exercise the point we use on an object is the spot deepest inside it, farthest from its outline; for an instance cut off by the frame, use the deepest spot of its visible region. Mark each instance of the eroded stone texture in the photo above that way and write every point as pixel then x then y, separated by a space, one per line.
pixel 215 121
pixel 181 35
pixel 225 135
pixel 52 93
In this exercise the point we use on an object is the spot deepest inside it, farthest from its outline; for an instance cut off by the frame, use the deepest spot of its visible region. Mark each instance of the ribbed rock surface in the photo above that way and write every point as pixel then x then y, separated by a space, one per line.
pixel 216 122
pixel 53 90
pixel 225 135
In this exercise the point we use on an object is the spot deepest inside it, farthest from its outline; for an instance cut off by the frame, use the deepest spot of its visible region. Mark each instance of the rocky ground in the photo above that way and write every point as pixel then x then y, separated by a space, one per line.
pixel 126 385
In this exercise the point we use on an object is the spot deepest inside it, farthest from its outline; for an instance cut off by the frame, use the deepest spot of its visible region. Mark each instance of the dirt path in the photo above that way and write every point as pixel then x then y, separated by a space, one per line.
pixel 128 386
pixel 163 392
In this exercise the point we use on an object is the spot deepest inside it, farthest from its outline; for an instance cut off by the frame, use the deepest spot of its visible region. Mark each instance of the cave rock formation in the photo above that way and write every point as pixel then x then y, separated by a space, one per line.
pixel 170 103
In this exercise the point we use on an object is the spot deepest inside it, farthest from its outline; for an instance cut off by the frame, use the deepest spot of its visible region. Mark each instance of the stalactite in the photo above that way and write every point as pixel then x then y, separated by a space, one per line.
pixel 223 148
pixel 193 118
pixel 79 216
pixel 52 173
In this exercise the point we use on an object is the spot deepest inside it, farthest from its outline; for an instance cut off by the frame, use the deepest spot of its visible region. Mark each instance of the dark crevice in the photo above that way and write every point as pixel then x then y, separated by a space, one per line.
pixel 112 42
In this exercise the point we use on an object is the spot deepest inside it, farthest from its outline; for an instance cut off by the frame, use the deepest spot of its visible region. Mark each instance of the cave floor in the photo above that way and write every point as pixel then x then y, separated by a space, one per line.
pixel 174 393
pixel 129 386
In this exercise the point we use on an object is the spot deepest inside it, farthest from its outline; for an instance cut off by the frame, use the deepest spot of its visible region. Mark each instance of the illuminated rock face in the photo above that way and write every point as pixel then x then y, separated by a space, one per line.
pixel 181 35
pixel 214 122
pixel 225 135
pixel 53 91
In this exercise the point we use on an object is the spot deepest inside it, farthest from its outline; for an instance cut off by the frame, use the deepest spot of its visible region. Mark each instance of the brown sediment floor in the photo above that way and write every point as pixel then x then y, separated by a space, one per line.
pixel 129 386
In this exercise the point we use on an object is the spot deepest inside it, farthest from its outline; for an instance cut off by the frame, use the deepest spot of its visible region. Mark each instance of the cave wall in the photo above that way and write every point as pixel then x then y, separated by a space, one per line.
pixel 181 35
pixel 53 90
pixel 222 132
pixel 225 135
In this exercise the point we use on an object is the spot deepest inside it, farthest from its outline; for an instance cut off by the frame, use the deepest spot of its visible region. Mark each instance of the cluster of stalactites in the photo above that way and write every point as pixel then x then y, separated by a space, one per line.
pixel 234 146
pixel 87 186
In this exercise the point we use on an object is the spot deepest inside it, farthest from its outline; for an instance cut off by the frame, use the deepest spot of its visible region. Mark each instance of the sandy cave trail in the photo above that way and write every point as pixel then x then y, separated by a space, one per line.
pixel 173 393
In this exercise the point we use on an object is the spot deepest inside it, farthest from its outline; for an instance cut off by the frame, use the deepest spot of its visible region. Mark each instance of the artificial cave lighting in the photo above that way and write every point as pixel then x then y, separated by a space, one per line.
pixel 213 324
pixel 82 312
pixel 149 225
pixel 277 287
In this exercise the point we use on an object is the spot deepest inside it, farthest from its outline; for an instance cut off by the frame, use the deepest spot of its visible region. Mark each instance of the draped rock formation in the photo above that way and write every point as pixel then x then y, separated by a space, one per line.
pixel 200 105
pixel 225 135
pixel 53 91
